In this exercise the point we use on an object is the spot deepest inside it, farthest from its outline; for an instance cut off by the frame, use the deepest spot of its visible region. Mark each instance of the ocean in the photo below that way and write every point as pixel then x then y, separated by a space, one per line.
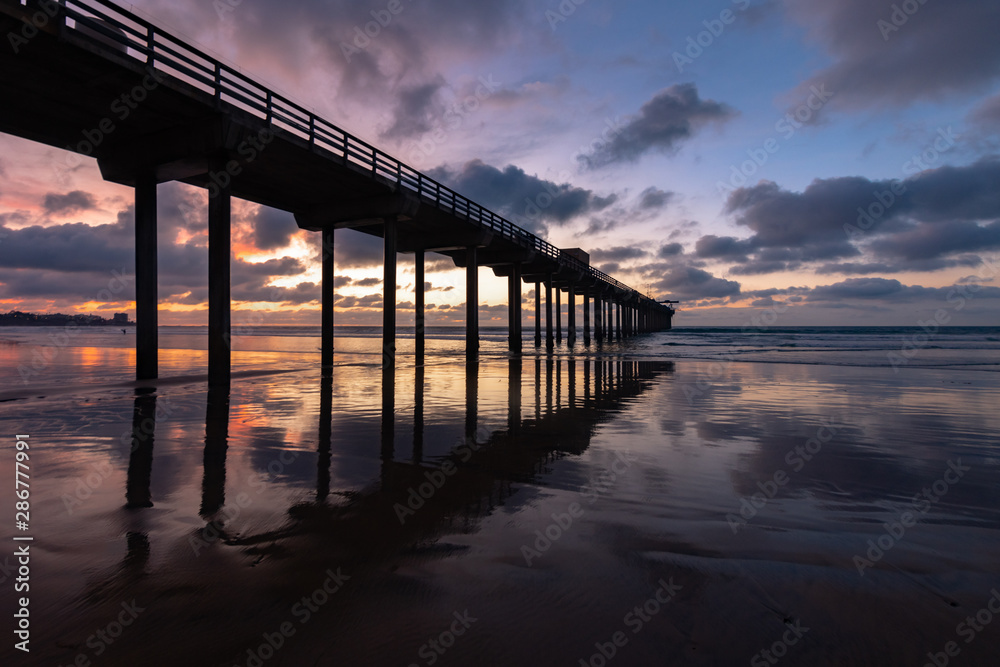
pixel 704 496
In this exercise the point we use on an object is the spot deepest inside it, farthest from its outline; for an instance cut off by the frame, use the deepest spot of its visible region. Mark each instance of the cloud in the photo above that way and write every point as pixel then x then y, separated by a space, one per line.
pixel 654 198
pixel 69 203
pixel 672 116
pixel 884 57
pixel 527 199
pixel 670 250
pixel 416 109
pixel 273 229
pixel 618 253
pixel 939 214
pixel 689 283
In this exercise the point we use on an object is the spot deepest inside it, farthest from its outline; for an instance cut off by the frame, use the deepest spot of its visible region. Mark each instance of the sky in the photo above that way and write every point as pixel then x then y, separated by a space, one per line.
pixel 813 163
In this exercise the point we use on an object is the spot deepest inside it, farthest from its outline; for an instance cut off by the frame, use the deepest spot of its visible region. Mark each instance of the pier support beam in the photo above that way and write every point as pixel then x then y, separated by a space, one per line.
pixel 514 308
pixel 538 314
pixel 558 315
pixel 326 287
pixel 419 292
pixel 598 318
pixel 618 321
pixel 586 317
pixel 389 293
pixel 219 302
pixel 571 316
pixel 471 304
pixel 146 342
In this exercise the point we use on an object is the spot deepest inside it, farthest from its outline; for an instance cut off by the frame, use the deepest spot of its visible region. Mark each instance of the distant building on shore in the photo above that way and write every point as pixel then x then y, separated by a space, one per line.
pixel 120 319
pixel 17 318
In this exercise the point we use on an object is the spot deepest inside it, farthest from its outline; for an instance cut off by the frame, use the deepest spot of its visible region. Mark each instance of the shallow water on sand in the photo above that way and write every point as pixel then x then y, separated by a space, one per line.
pixel 505 513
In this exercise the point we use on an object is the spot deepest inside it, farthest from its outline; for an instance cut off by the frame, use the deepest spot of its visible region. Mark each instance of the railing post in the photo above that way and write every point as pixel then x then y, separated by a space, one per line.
pixel 218 84
pixel 150 46
pixel 270 109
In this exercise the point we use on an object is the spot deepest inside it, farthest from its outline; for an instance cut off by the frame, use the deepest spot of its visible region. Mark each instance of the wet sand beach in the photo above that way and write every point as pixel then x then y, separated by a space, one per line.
pixel 619 506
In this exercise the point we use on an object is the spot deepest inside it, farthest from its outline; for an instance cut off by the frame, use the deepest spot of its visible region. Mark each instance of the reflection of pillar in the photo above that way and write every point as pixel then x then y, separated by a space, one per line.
pixel 586 316
pixel 586 383
pixel 219 303
pixel 389 293
pixel 418 414
pixel 325 435
pixel 548 385
pixel 388 413
pixel 538 388
pixel 326 288
pixel 471 303
pixel 514 396
pixel 387 432
pixel 538 314
pixel 140 460
pixel 571 380
pixel 419 289
pixel 548 313
pixel 571 315
pixel 471 399
pixel 213 486
pixel 145 278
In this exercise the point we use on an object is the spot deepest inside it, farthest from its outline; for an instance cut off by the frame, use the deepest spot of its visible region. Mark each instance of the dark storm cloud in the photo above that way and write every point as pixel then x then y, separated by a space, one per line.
pixel 417 107
pixel 618 253
pixel 884 56
pixel 367 55
pixel 68 248
pixel 928 242
pixel 670 250
pixel 723 247
pixel 520 196
pixel 672 116
pixel 273 229
pixel 987 114
pixel 71 202
pixel 871 288
pixel 654 198
pixel 689 283
pixel 870 268
pixel 932 215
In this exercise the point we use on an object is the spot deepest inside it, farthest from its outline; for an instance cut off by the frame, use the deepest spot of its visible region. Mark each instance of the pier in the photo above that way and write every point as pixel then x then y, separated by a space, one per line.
pixel 93 78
